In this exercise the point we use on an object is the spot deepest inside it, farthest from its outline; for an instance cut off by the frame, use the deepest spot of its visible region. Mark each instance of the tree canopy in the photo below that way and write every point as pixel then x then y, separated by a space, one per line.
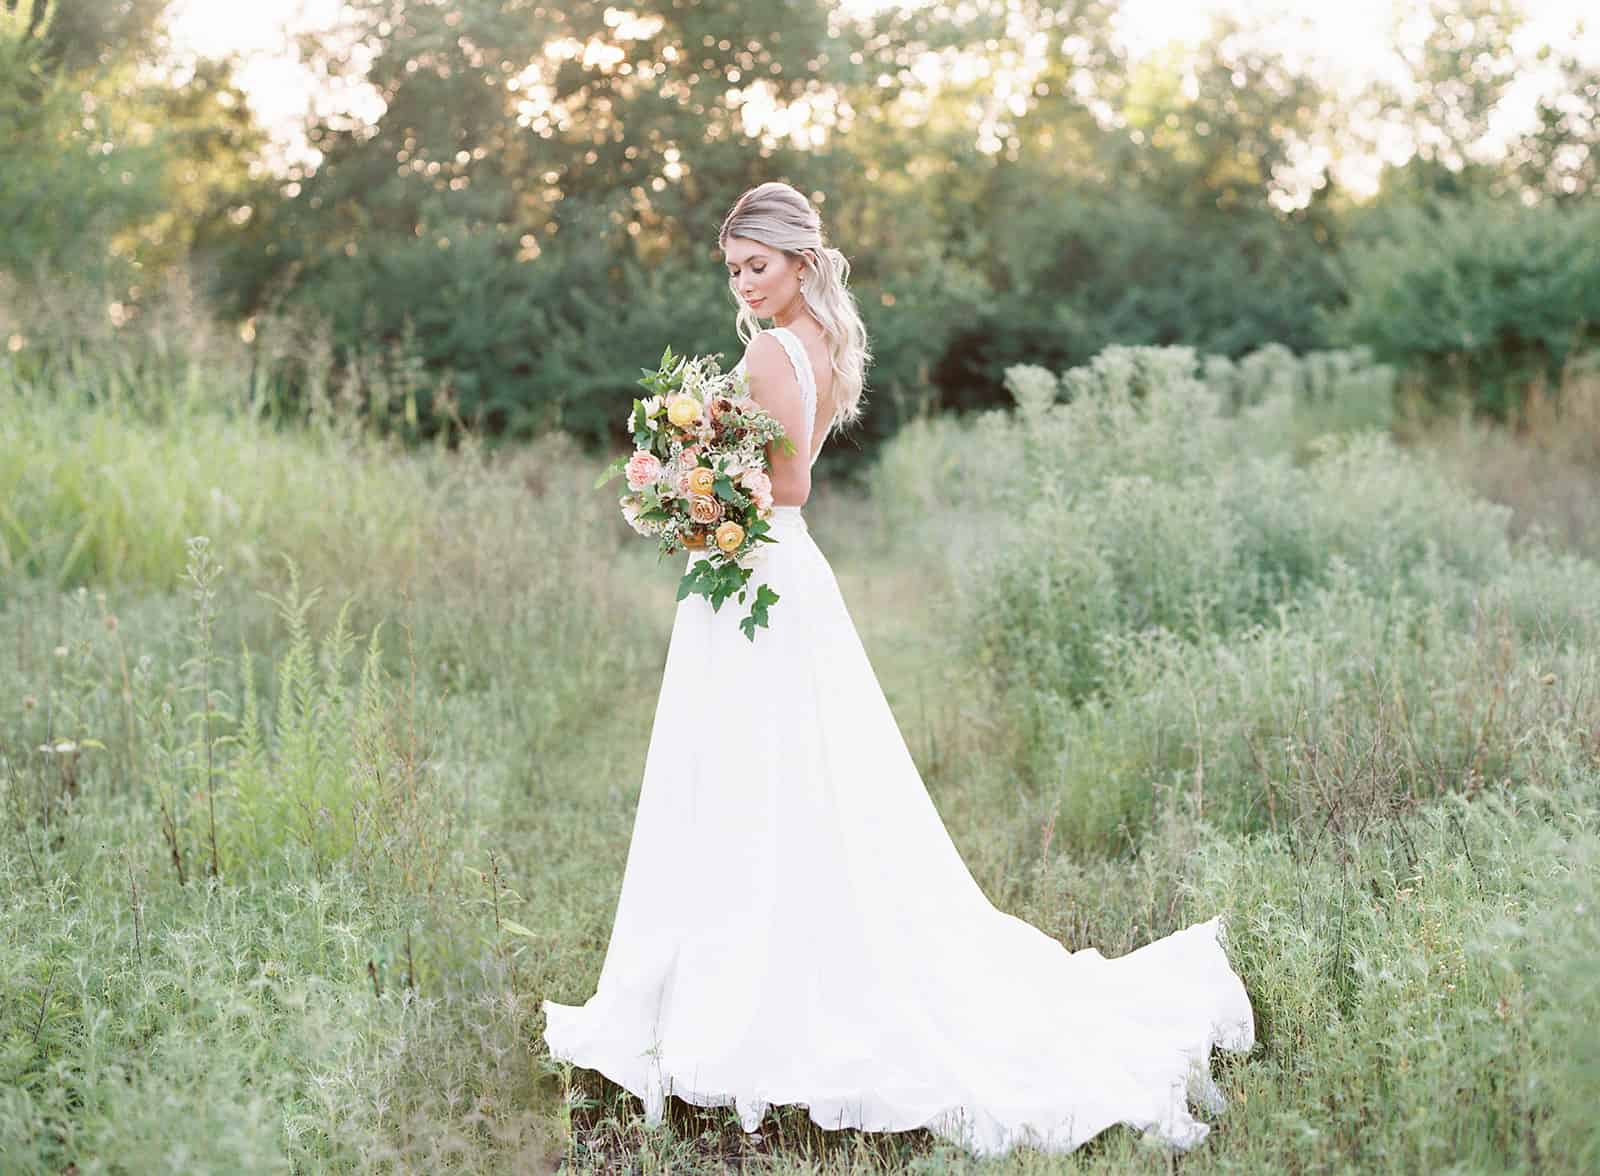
pixel 533 213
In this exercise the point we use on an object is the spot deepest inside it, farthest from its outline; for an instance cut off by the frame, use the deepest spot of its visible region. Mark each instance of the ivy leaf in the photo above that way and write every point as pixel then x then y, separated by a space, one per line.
pixel 696 579
pixel 765 597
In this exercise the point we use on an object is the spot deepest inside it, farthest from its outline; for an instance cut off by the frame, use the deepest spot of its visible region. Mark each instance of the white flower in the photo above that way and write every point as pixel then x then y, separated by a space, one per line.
pixel 631 510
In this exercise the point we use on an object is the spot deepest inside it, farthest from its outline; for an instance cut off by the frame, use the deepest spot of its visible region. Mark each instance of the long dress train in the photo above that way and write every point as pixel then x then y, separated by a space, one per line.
pixel 795 924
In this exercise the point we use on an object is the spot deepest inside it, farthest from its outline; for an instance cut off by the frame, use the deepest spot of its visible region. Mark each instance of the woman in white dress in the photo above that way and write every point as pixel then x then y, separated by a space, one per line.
pixel 795 925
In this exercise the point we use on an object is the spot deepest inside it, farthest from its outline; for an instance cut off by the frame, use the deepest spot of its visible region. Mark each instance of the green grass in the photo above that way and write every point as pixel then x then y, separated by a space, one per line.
pixel 301 823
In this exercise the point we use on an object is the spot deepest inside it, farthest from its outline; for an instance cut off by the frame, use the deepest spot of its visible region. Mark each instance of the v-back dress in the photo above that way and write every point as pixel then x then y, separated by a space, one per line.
pixel 795 925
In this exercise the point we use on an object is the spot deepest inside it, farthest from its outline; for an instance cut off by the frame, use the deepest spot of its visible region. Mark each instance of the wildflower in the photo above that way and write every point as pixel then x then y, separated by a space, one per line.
pixel 61 651
pixel 111 623
pixel 29 702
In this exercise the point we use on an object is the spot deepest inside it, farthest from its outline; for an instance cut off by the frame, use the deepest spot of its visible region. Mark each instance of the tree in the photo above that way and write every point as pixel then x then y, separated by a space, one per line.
pixel 1459 57
pixel 79 35
pixel 571 161
pixel 111 174
pixel 1559 158
pixel 63 194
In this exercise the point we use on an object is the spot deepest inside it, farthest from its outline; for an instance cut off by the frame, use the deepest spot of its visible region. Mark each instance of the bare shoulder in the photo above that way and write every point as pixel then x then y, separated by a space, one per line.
pixel 769 368
pixel 764 349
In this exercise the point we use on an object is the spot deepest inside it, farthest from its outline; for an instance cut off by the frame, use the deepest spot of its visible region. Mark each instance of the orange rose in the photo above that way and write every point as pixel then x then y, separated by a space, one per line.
pixel 730 535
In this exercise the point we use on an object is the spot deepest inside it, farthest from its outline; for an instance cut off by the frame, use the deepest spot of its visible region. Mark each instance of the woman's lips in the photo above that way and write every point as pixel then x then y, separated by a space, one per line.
pixel 755 301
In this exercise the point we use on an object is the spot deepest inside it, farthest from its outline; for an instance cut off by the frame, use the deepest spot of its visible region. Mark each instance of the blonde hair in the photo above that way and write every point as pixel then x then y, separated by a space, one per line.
pixel 779 217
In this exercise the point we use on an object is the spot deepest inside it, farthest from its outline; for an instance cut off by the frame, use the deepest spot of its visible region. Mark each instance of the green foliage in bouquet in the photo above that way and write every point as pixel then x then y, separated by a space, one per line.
pixel 718 582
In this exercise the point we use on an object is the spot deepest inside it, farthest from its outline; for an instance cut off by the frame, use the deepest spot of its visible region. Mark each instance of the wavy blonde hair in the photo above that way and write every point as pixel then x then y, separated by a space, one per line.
pixel 779 217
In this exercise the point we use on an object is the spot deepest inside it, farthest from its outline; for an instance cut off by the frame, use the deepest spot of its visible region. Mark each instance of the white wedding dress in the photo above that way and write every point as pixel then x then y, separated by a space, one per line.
pixel 796 926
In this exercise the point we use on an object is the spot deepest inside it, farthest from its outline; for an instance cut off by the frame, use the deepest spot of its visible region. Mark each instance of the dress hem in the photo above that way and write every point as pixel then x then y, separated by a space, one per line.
pixel 980 1132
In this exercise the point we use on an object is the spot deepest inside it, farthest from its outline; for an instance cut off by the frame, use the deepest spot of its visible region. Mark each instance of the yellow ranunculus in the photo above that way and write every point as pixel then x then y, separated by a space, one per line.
pixel 683 410
pixel 702 479
pixel 730 535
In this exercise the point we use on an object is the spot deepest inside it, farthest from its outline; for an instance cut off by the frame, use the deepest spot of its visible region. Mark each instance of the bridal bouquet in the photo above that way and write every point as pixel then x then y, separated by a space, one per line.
pixel 698 479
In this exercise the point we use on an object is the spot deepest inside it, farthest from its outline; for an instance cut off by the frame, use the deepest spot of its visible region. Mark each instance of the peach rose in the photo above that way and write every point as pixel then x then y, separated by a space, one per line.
pixel 644 467
pixel 702 479
pixel 730 535
pixel 704 509
pixel 756 483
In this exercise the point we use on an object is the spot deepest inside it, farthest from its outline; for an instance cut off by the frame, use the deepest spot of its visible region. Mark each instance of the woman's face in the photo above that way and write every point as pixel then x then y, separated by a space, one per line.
pixel 766 280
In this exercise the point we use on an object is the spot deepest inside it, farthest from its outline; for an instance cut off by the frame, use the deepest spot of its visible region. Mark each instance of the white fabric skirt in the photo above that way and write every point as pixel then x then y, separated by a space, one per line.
pixel 796 926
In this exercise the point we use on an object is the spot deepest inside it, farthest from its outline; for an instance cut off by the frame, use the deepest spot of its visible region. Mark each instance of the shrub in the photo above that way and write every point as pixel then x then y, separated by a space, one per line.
pixel 1476 297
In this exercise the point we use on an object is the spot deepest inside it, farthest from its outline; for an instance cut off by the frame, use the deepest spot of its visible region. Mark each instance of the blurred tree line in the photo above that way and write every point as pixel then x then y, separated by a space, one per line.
pixel 533 216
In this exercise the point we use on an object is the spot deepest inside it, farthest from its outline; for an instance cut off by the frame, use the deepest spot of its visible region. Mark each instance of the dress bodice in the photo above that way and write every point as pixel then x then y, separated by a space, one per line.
pixel 796 350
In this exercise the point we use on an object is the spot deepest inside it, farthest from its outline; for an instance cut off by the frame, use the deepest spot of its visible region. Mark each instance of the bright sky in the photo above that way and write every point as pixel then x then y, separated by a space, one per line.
pixel 1344 39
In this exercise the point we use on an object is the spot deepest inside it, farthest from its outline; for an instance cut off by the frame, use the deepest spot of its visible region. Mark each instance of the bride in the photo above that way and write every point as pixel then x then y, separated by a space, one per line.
pixel 795 925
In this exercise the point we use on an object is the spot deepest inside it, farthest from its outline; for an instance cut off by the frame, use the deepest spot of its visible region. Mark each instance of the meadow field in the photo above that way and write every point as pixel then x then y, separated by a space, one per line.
pixel 319 757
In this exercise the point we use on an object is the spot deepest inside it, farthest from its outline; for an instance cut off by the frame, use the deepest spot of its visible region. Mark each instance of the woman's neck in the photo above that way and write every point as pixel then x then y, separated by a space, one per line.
pixel 794 319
